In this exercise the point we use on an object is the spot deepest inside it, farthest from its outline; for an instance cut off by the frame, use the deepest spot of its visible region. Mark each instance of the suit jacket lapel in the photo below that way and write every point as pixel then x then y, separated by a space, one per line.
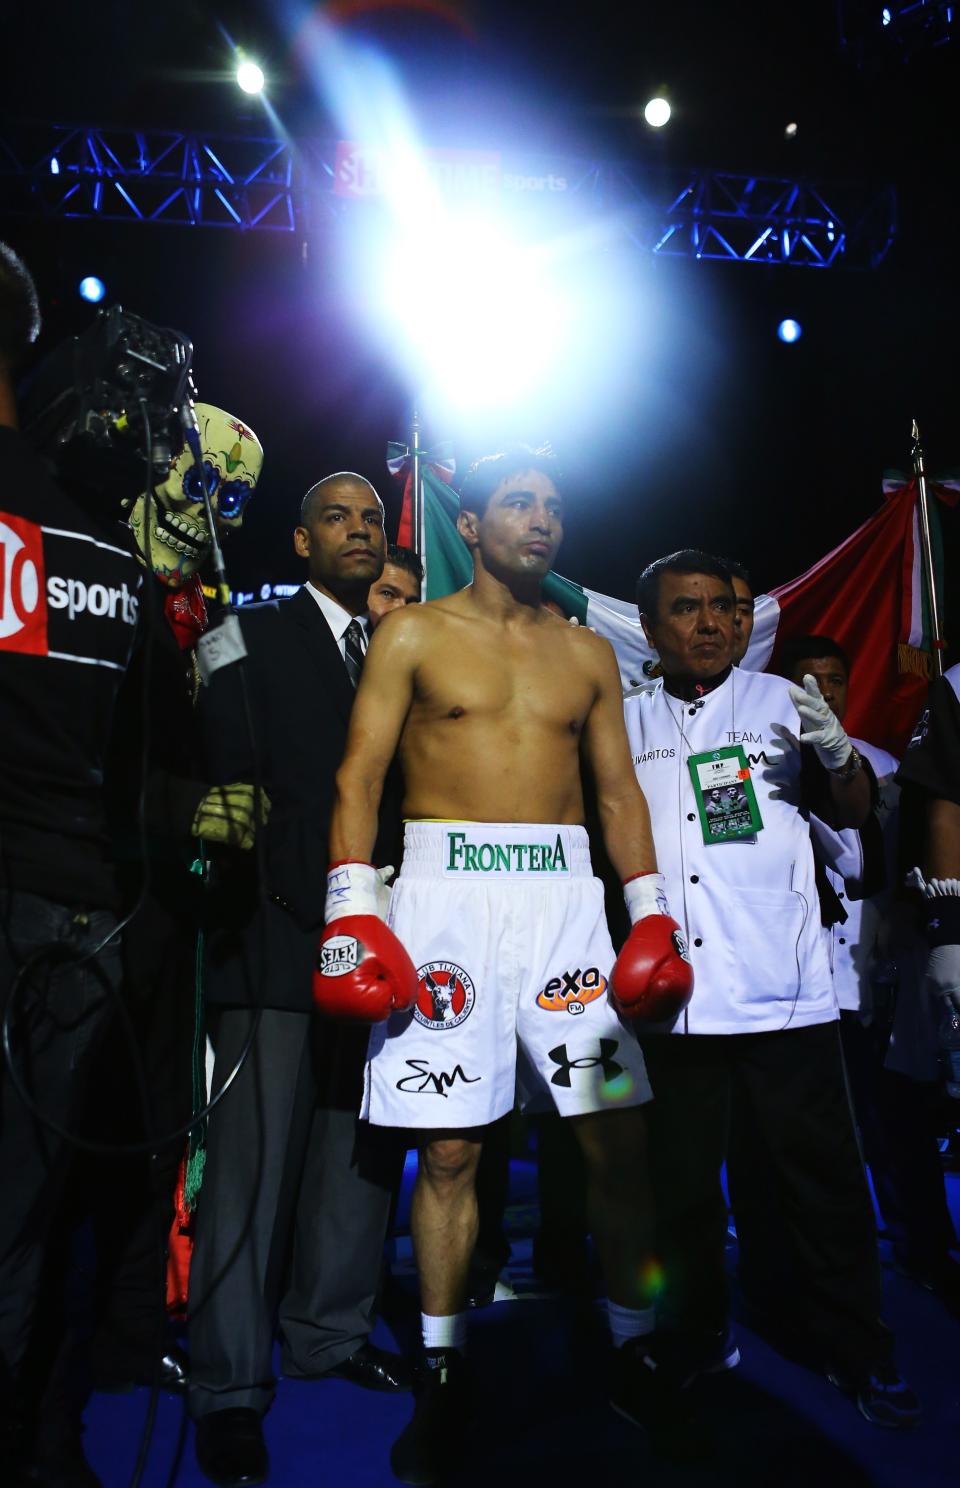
pixel 316 636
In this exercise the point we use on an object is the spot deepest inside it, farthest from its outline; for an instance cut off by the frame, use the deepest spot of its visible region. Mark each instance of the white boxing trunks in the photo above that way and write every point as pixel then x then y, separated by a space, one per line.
pixel 506 927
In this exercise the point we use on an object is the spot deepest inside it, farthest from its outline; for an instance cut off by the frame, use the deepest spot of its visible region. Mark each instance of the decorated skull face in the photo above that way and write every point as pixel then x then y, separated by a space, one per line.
pixel 180 537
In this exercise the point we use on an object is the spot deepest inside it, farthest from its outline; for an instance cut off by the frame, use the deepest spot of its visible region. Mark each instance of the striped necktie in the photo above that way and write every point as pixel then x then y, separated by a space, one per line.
pixel 353 650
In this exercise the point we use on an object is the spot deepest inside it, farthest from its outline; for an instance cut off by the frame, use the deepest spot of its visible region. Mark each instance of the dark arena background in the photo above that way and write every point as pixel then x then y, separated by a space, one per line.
pixel 807 173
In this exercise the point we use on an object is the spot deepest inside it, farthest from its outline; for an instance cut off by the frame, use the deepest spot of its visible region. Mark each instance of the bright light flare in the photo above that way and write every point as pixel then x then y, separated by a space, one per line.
pixel 657 113
pixel 93 289
pixel 487 317
pixel 478 310
pixel 789 331
pixel 250 77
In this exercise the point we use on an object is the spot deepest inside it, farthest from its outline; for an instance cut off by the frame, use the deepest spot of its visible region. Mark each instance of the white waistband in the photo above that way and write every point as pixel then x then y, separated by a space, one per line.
pixel 495 851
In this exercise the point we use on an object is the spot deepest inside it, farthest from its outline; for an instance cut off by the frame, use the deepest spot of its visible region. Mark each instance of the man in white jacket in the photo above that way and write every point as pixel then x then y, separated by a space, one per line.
pixel 763 1018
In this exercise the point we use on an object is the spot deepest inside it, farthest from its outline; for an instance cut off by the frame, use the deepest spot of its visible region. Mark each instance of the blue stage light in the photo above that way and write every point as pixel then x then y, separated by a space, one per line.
pixel 789 331
pixel 92 289
pixel 885 16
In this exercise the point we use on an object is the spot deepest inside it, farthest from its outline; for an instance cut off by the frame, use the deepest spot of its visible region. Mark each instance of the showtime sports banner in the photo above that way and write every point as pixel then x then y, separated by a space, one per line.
pixel 366 173
pixel 867 594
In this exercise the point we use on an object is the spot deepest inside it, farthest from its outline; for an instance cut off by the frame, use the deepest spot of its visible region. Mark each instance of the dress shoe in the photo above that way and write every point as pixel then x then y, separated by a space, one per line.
pixel 375 1369
pixel 230 1448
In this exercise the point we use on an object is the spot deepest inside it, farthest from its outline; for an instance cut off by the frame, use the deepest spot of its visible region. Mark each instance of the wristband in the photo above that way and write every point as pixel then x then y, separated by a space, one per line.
pixel 646 894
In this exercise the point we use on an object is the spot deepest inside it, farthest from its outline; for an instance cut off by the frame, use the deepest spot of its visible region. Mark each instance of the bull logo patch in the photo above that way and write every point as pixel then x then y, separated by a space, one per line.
pixel 572 990
pixel 446 995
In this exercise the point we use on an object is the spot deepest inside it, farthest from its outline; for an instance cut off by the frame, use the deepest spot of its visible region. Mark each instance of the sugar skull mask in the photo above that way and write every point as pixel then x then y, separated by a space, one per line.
pixel 179 536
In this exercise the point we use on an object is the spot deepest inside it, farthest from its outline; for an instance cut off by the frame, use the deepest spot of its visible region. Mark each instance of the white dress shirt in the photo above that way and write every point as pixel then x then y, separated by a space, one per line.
pixel 338 619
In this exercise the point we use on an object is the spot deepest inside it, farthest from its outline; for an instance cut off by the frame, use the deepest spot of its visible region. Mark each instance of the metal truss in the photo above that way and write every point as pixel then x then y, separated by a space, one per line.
pixel 273 185
pixel 139 175
pixel 754 219
pixel 870 29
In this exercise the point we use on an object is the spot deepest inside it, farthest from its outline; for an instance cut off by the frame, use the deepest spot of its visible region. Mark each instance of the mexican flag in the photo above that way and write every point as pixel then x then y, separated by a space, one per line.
pixel 868 594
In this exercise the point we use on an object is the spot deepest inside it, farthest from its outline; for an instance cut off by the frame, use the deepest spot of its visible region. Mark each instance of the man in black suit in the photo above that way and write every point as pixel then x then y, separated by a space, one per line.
pixel 296 1194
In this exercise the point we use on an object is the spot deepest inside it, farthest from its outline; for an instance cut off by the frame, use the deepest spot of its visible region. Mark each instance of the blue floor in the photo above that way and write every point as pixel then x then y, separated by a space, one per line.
pixel 541 1416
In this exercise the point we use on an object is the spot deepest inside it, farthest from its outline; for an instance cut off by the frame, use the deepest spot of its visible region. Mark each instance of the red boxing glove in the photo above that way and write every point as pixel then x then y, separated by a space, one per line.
pixel 363 972
pixel 652 980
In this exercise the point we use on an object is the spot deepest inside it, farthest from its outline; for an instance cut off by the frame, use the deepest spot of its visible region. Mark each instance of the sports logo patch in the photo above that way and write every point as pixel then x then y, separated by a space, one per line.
pixel 603 1059
pixel 572 990
pixel 446 995
pixel 339 955
pixel 23 598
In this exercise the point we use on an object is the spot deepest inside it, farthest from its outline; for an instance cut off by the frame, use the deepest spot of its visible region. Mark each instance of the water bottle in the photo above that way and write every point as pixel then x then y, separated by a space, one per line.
pixel 948 1037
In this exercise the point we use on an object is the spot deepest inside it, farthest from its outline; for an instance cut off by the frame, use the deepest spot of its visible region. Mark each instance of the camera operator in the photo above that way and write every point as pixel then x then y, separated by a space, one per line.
pixel 69 586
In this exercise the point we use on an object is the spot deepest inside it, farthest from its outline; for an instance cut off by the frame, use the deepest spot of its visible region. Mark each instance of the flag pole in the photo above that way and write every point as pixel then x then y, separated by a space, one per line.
pixel 923 510
pixel 416 499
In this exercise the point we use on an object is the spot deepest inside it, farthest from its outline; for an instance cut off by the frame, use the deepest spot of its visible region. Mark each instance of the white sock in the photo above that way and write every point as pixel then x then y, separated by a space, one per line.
pixel 448 1332
pixel 630 1322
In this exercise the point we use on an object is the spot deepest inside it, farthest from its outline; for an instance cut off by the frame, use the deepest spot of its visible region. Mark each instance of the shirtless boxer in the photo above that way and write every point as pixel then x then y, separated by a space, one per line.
pixel 493 702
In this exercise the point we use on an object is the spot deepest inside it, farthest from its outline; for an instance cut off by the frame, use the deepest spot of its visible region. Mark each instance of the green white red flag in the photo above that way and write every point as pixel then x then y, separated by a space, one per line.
pixel 868 594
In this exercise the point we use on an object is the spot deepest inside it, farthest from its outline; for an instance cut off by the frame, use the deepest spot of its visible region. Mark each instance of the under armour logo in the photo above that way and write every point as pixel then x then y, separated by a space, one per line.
pixel 608 1047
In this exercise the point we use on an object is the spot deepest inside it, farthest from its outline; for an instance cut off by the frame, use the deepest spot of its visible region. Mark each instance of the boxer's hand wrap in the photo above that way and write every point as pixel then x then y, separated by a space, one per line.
pixel 652 980
pixel 646 894
pixel 357 889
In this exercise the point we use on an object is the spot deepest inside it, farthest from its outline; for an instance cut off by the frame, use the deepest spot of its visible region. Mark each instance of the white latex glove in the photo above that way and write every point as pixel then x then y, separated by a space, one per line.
pixel 822 727
pixel 933 888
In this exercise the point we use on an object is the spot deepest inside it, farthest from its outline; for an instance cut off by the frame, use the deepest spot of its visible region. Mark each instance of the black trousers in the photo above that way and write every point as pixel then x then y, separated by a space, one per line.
pixel 897 1120
pixel 293 1213
pixel 57 1021
pixel 130 1199
pixel 792 1085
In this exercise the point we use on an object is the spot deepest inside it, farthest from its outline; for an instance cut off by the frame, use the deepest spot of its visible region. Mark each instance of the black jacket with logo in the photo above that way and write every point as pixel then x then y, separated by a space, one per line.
pixel 69 598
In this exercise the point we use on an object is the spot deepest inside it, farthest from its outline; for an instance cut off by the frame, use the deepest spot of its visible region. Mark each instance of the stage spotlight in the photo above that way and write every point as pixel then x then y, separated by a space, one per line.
pixel 249 76
pixel 92 289
pixel 460 296
pixel 789 331
pixel 885 16
pixel 657 113
pixel 791 130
